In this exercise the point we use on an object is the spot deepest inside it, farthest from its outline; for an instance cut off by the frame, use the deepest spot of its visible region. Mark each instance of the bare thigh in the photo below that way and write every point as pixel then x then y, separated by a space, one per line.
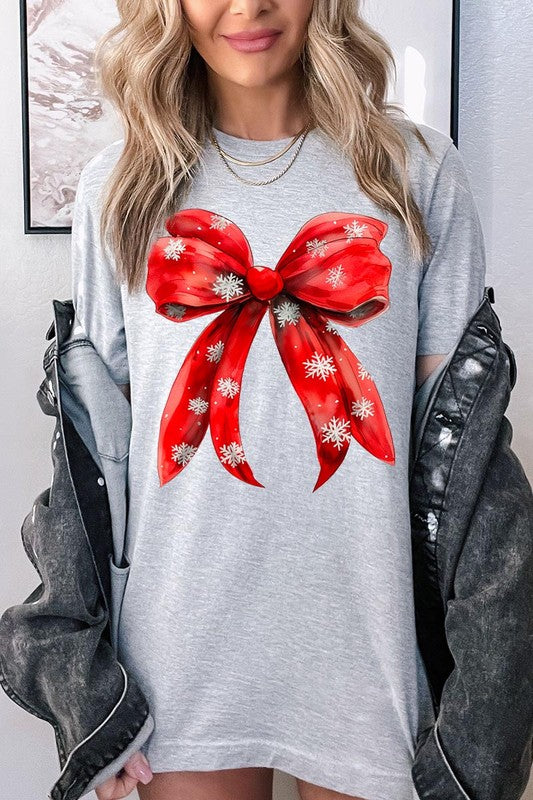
pixel 245 783
pixel 308 791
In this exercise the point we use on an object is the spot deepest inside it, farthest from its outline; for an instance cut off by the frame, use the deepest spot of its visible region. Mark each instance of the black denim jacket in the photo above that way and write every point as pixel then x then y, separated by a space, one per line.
pixel 472 526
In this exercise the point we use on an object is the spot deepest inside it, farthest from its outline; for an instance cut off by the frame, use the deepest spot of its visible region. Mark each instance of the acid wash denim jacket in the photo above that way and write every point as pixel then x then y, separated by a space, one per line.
pixel 472 544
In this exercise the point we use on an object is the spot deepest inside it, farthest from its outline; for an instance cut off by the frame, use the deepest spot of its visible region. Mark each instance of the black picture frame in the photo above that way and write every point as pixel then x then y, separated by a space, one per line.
pixel 30 229
pixel 455 58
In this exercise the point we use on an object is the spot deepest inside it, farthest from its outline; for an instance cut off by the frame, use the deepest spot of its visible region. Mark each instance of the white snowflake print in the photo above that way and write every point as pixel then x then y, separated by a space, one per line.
pixel 363 373
pixel 198 404
pixel 218 222
pixel 182 453
pixel 336 431
pixel 175 310
pixel 336 276
pixel 175 248
pixel 317 247
pixel 228 387
pixel 232 454
pixel 330 327
pixel 319 366
pixel 228 286
pixel 363 408
pixel 354 230
pixel 287 312
pixel 214 351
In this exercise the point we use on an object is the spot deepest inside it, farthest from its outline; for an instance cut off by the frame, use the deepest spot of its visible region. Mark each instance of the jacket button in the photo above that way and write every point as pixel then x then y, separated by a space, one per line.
pixel 101 481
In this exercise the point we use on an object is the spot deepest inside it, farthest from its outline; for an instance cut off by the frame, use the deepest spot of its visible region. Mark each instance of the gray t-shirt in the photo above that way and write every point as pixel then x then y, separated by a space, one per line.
pixel 274 625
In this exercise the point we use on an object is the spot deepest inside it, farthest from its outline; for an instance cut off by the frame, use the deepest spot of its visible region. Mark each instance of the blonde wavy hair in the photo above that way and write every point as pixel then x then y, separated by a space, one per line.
pixel 149 70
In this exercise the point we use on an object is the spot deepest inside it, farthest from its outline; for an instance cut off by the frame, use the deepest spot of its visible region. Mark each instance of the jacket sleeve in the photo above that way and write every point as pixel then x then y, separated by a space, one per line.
pixel 481 745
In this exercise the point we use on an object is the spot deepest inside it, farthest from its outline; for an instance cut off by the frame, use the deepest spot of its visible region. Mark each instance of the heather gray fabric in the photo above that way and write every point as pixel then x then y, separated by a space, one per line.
pixel 275 626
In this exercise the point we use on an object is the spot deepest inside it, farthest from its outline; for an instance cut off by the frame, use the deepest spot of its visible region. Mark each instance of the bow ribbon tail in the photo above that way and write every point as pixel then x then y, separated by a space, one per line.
pixel 226 392
pixel 367 415
pixel 185 416
pixel 314 374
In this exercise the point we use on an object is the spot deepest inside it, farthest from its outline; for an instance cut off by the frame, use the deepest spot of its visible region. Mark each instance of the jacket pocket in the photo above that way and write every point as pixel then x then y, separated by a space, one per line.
pixel 119 579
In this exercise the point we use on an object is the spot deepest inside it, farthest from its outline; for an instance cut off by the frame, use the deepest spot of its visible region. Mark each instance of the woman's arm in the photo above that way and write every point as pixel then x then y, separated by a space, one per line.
pixel 96 294
pixel 425 366
pixel 125 389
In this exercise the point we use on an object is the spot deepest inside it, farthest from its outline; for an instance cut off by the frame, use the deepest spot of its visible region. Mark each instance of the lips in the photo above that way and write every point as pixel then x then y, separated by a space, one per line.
pixel 253 41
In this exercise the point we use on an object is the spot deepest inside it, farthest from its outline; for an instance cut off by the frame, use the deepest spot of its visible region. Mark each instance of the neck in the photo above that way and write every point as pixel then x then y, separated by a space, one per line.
pixel 266 112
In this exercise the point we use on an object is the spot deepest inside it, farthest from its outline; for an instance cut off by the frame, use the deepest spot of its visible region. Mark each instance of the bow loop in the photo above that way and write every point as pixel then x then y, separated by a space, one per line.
pixel 200 268
pixel 334 263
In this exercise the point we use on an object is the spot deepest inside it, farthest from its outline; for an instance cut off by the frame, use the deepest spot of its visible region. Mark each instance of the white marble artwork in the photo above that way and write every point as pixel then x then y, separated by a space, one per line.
pixel 67 120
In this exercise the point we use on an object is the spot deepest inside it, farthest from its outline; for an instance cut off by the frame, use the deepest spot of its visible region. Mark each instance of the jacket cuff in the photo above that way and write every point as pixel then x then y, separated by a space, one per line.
pixel 103 745
pixel 115 766
pixel 431 771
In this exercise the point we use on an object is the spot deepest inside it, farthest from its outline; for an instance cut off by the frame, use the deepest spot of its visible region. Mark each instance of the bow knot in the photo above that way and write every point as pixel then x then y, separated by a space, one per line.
pixel 264 283
pixel 332 271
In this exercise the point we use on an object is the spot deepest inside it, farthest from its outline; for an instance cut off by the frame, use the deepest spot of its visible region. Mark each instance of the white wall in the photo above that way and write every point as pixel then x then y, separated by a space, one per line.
pixel 496 134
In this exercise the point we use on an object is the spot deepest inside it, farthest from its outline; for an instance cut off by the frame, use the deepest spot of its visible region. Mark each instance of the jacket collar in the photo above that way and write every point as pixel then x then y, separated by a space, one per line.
pixel 485 321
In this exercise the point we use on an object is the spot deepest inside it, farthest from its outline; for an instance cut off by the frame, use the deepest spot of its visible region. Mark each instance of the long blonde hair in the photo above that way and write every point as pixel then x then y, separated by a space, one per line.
pixel 149 70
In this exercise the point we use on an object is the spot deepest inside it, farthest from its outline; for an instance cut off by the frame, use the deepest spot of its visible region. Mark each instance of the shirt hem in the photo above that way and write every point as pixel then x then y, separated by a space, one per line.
pixel 357 780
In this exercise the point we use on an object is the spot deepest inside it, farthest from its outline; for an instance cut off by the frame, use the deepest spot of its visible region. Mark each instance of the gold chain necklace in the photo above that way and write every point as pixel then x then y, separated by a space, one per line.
pixel 245 163
pixel 224 156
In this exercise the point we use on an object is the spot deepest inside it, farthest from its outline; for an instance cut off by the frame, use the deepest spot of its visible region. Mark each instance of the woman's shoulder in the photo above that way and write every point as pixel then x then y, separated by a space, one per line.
pixel 97 169
pixel 424 167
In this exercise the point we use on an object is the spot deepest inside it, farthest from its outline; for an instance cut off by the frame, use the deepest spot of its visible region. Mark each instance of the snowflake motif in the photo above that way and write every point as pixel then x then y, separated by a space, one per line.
pixel 317 247
pixel 228 387
pixel 330 327
pixel 354 230
pixel 287 312
pixel 175 248
pixel 336 431
pixel 214 351
pixel 218 222
pixel 198 404
pixel 228 286
pixel 175 310
pixel 182 453
pixel 363 408
pixel 336 276
pixel 319 366
pixel 363 373
pixel 232 454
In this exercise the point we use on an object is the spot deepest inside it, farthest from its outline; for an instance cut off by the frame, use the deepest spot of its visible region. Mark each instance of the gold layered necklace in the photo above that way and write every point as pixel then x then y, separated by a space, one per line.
pixel 226 157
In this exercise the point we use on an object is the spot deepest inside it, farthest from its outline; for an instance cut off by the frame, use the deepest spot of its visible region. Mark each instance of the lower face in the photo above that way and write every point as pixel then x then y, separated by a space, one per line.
pixel 249 62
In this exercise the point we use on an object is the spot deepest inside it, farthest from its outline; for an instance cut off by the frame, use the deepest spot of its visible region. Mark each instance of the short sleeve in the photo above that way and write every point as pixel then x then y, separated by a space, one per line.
pixel 453 278
pixel 96 293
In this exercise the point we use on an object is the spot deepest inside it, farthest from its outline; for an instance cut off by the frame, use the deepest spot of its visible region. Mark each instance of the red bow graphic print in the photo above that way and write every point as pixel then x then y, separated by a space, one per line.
pixel 332 271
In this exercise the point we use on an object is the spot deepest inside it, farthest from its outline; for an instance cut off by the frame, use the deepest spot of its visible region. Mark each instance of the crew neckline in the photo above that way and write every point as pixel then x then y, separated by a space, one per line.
pixel 240 146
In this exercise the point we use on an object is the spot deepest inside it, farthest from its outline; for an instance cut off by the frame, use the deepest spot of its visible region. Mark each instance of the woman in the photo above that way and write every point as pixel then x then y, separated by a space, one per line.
pixel 321 255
